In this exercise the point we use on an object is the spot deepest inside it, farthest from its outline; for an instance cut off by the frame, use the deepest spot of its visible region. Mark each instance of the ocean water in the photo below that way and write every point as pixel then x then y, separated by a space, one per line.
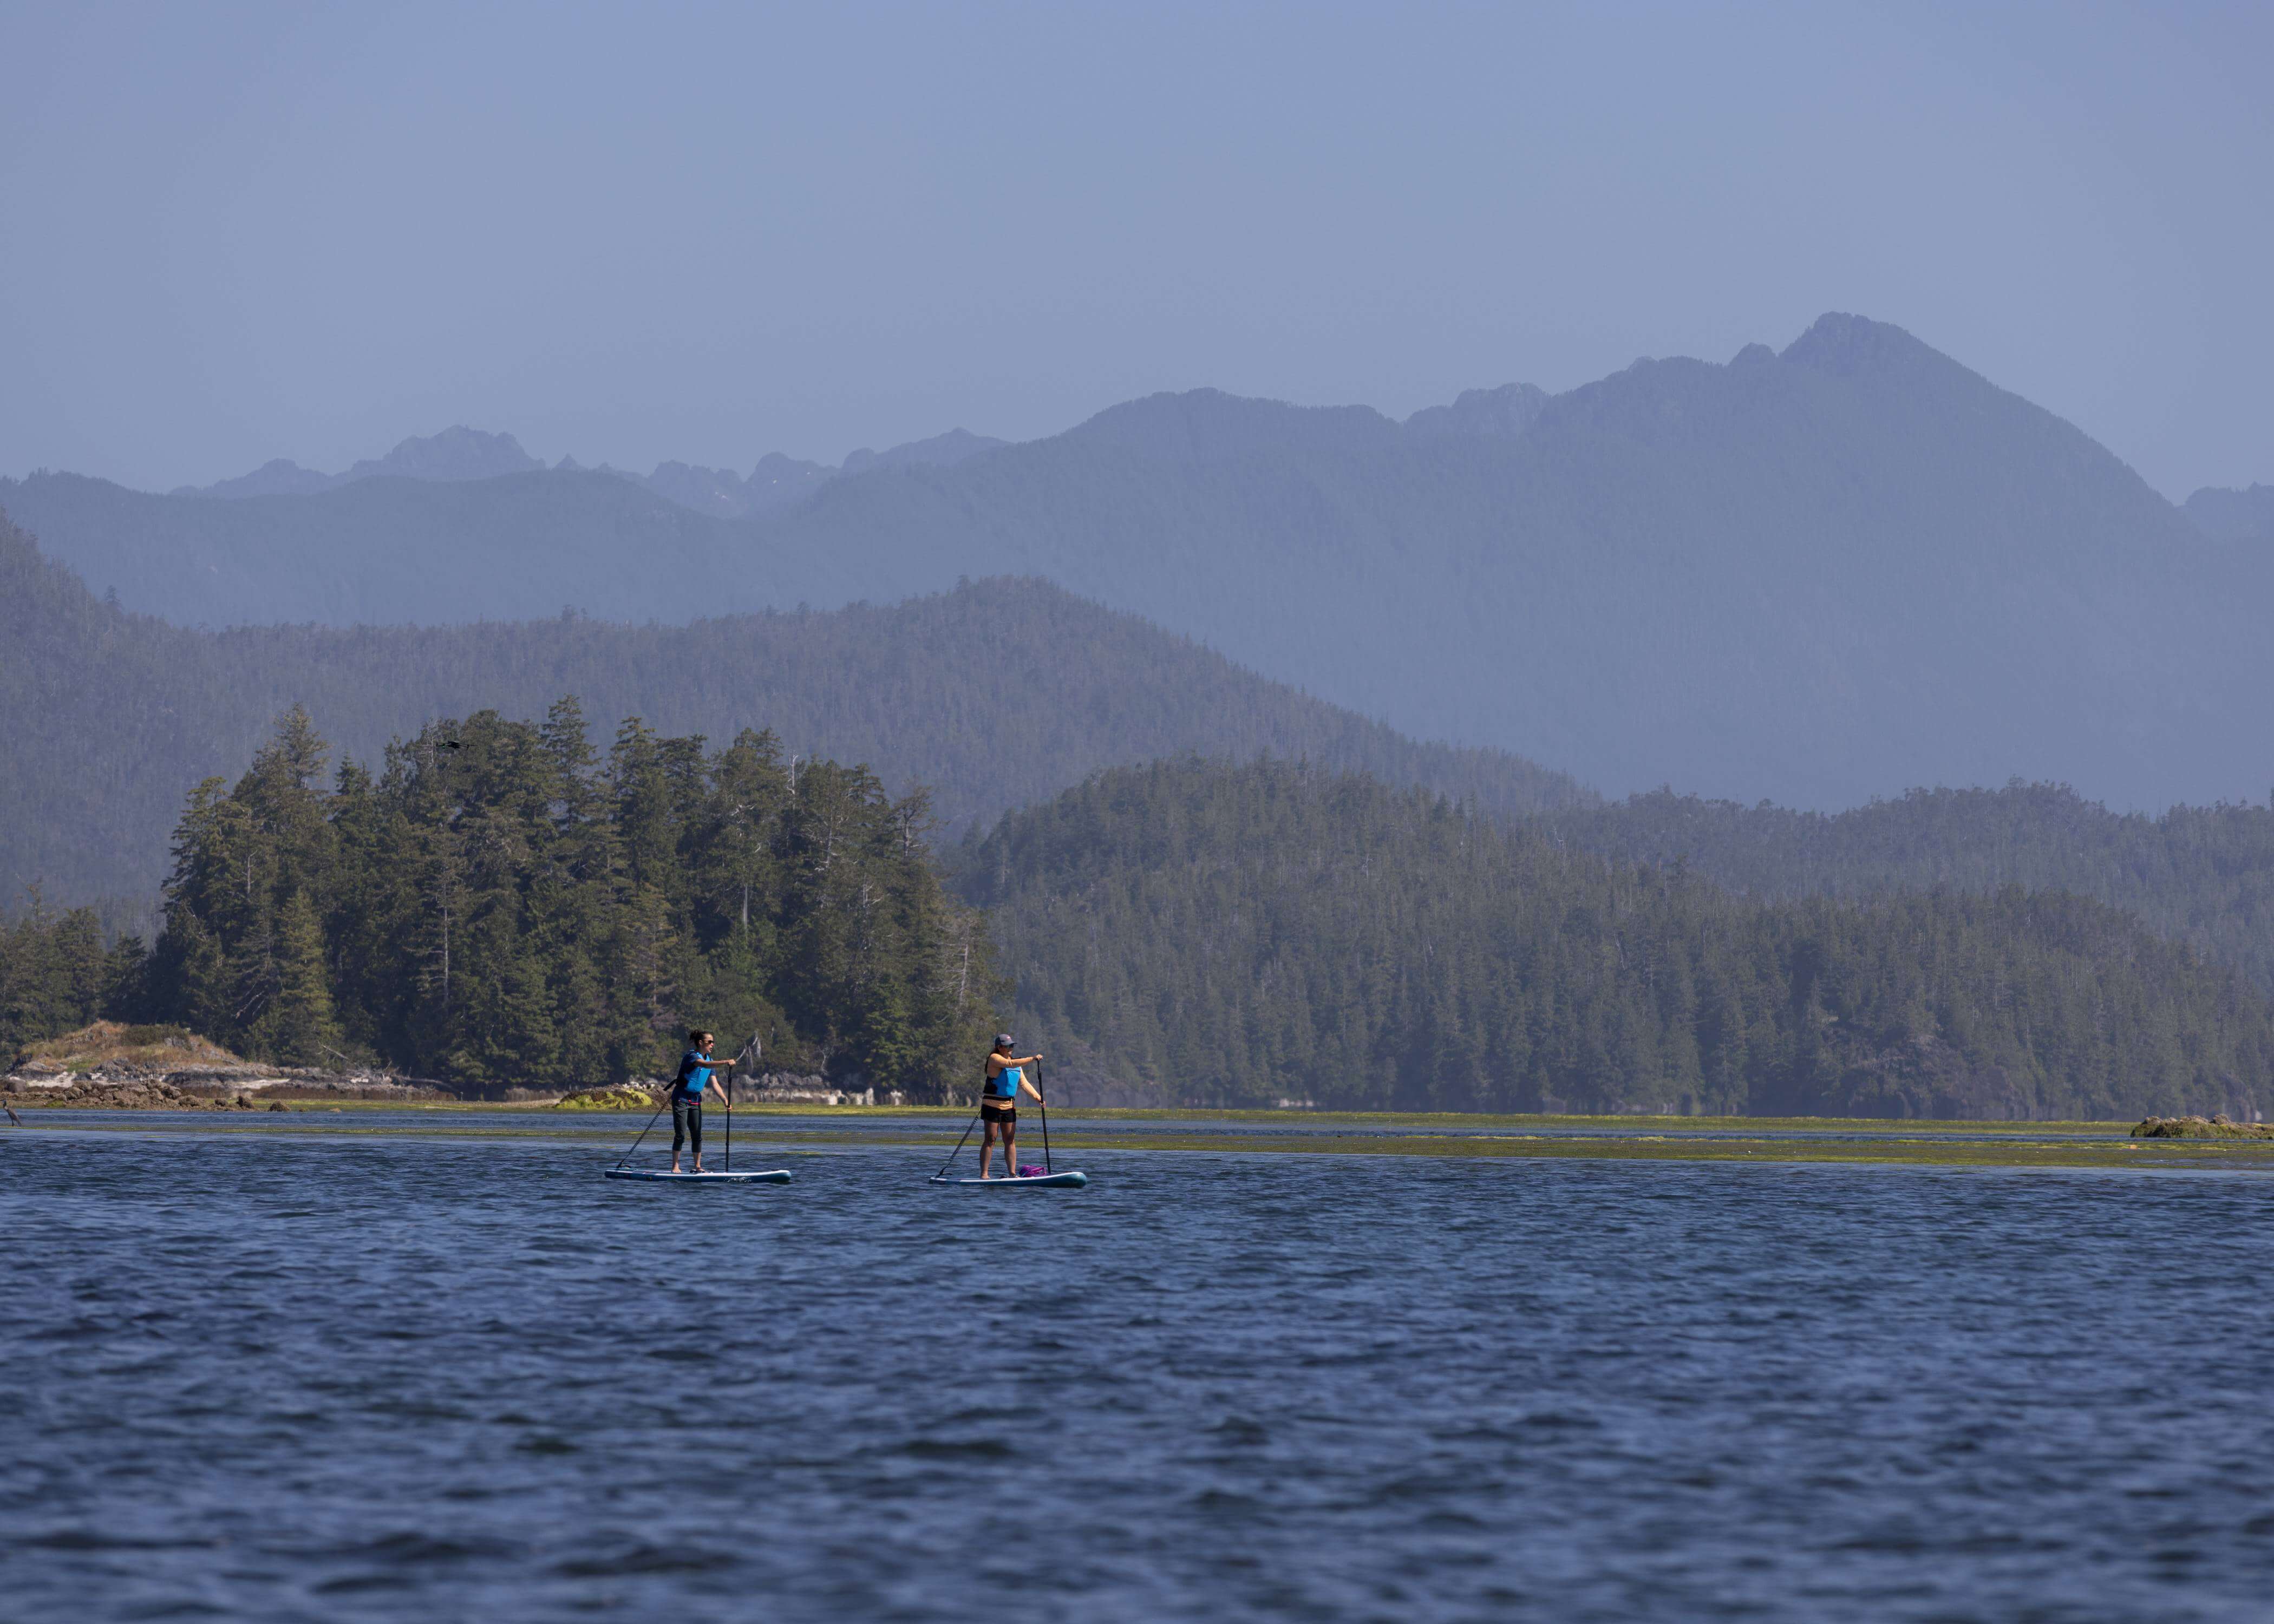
pixel 256 1374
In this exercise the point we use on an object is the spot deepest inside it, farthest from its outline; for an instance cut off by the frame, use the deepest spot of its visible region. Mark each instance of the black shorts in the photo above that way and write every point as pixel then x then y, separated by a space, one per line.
pixel 686 1122
pixel 989 1111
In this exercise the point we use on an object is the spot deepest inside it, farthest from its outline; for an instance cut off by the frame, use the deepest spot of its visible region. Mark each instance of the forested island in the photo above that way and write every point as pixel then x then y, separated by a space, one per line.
pixel 502 902
pixel 498 901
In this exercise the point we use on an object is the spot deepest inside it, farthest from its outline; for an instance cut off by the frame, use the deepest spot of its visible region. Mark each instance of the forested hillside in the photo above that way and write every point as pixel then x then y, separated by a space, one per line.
pixel 993 695
pixel 495 903
pixel 1816 576
pixel 1230 936
pixel 2201 874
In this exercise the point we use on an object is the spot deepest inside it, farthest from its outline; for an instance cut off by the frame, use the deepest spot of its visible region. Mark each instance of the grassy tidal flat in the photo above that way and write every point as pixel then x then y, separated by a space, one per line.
pixel 789 1129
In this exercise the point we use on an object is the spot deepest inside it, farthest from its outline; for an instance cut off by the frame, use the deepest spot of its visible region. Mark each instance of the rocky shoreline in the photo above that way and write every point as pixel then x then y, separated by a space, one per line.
pixel 127 1088
pixel 644 1094
pixel 2216 1126
pixel 231 1088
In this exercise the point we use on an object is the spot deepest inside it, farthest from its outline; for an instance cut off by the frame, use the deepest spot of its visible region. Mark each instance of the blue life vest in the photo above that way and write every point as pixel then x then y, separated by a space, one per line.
pixel 694 1072
pixel 1005 1083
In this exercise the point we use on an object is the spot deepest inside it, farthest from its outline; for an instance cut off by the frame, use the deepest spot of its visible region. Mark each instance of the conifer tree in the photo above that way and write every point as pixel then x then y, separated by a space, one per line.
pixel 300 1027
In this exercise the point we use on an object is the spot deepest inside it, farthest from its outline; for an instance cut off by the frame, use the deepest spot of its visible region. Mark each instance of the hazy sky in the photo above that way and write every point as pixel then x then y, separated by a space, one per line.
pixel 229 233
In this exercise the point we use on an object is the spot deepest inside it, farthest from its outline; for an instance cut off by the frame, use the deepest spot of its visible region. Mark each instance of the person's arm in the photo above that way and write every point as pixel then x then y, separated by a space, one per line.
pixel 1025 1084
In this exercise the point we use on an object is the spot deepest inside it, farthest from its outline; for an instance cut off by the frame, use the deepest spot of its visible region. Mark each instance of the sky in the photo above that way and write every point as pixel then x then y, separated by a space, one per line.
pixel 230 233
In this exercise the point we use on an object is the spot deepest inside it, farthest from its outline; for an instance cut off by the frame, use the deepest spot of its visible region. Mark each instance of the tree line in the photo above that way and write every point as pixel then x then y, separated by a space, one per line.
pixel 499 903
pixel 2201 874
pixel 1230 936
pixel 59 972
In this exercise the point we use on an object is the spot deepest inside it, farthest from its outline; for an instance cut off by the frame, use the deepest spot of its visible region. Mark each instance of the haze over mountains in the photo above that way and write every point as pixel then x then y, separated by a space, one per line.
pixel 108 719
pixel 459 454
pixel 2235 516
pixel 1815 576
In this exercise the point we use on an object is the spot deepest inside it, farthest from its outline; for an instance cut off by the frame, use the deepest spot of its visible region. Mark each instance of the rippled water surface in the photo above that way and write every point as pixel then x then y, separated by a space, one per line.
pixel 269 1374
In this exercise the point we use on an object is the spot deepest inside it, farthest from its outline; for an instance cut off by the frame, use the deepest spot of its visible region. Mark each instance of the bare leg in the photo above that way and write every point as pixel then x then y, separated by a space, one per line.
pixel 1010 1150
pixel 986 1146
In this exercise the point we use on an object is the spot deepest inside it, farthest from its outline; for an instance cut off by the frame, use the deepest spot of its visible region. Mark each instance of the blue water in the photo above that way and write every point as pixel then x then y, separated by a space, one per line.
pixel 271 1375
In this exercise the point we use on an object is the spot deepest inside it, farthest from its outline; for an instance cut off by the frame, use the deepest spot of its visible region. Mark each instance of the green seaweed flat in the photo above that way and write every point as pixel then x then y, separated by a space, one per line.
pixel 1675 1146
pixel 803 1129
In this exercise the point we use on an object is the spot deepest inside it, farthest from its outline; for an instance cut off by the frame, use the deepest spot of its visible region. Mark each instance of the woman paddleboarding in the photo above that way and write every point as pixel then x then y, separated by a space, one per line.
pixel 998 1102
pixel 694 1069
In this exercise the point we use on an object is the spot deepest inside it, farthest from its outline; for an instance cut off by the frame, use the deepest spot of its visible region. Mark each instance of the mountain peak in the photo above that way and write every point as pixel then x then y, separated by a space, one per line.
pixel 1206 425
pixel 456 453
pixel 1848 346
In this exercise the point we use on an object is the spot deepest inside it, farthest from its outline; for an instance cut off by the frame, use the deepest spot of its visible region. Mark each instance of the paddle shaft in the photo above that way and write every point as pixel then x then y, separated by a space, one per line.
pixel 749 1048
pixel 643 1132
pixel 968 1127
pixel 1045 1104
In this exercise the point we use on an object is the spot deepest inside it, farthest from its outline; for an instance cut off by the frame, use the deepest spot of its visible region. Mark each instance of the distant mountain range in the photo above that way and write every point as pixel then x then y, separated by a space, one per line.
pixel 1815 575
pixel 455 454
pixel 460 455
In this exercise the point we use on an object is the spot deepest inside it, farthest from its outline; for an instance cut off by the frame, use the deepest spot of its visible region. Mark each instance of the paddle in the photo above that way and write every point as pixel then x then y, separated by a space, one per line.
pixel 968 1127
pixel 643 1132
pixel 751 1049
pixel 1045 1104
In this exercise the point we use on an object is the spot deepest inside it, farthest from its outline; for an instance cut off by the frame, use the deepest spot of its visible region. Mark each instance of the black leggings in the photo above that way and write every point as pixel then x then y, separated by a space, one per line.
pixel 685 1124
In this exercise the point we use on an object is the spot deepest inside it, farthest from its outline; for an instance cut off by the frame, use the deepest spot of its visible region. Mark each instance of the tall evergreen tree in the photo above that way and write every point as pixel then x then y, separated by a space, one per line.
pixel 300 1027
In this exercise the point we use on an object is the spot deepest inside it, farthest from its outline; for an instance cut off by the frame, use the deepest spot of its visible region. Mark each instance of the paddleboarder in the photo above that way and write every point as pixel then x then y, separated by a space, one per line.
pixel 998 1102
pixel 694 1069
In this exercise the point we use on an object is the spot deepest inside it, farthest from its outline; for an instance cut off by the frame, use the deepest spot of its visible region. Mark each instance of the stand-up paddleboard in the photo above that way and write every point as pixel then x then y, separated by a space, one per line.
pixel 1039 1181
pixel 779 1176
